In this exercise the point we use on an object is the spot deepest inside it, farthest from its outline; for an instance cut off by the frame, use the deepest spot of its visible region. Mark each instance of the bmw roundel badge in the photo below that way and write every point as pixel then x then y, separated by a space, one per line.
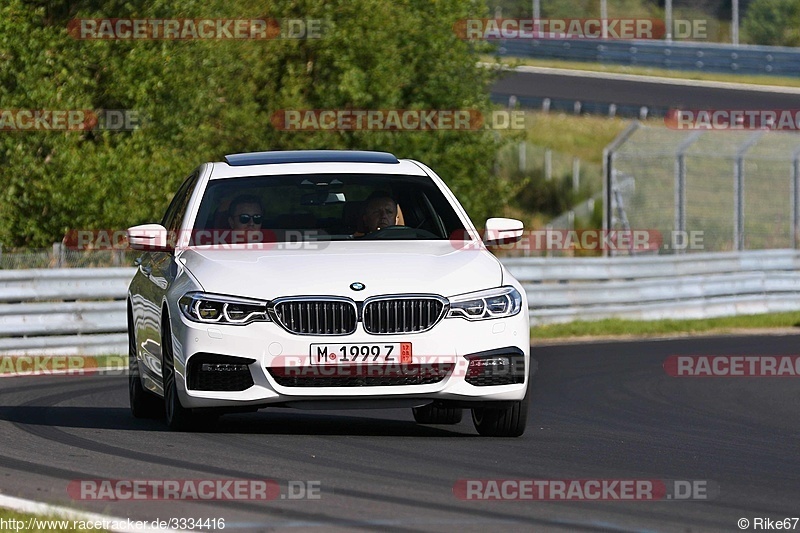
pixel 357 286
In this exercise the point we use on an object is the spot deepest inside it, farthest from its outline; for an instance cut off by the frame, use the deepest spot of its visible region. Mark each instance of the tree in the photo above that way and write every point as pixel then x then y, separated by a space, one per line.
pixel 202 99
pixel 773 22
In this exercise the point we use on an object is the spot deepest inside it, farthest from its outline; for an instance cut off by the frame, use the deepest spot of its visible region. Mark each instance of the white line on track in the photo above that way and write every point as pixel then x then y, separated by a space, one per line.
pixel 54 512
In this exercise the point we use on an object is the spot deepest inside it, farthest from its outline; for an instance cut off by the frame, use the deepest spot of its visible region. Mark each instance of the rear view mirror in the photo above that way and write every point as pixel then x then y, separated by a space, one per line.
pixel 322 198
pixel 149 238
pixel 502 231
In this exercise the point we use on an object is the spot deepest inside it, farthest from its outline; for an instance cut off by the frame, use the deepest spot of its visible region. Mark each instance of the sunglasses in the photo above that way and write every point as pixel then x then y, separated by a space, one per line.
pixel 244 219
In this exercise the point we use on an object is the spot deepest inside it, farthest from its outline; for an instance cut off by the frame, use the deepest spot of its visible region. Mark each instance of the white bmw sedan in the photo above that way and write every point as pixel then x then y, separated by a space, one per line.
pixel 325 280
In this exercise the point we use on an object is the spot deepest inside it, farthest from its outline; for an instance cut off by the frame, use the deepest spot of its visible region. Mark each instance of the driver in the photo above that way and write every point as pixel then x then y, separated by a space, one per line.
pixel 380 212
pixel 244 217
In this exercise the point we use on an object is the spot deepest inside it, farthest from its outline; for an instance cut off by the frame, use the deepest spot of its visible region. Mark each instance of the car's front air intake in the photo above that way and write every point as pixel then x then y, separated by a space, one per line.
pixel 316 316
pixel 401 314
pixel 217 372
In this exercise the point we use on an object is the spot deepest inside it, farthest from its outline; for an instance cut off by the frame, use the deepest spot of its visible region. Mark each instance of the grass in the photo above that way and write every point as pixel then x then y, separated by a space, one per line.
pixel 42 524
pixel 582 136
pixel 654 328
pixel 650 71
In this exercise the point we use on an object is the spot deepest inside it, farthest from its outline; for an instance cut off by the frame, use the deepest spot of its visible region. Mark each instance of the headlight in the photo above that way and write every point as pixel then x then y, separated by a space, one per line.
pixel 483 305
pixel 218 309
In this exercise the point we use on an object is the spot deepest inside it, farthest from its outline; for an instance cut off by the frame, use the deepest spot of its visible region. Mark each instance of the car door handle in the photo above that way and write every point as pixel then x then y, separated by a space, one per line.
pixel 146 270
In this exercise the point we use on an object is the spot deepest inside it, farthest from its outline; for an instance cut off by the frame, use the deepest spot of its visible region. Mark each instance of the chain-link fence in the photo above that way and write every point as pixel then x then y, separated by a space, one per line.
pixel 60 256
pixel 556 192
pixel 705 190
pixel 526 158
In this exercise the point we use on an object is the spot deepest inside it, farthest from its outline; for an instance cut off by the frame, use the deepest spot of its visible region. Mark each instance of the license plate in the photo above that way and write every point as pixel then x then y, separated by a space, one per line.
pixel 348 354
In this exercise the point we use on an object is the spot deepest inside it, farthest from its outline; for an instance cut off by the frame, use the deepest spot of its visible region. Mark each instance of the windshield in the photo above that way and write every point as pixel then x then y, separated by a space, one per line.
pixel 326 207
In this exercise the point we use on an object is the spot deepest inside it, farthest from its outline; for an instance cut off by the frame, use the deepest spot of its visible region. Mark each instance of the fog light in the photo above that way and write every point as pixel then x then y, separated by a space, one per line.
pixel 222 367
pixel 497 365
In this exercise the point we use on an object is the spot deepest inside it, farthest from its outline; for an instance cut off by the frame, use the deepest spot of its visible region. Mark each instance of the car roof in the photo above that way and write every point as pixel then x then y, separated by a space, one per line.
pixel 313 162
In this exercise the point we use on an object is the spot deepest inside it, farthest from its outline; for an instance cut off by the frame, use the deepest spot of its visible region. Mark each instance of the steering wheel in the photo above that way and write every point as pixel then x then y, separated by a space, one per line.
pixel 400 232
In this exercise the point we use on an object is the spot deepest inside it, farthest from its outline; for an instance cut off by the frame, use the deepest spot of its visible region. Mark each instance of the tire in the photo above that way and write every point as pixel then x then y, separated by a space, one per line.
pixel 144 404
pixel 503 422
pixel 178 417
pixel 430 414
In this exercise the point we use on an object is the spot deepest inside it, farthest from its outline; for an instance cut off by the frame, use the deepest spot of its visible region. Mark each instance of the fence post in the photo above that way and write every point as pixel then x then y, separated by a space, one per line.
pixel 680 184
pixel 576 174
pixel 738 191
pixel 58 255
pixel 795 200
pixel 608 172
pixel 523 160
pixel 548 164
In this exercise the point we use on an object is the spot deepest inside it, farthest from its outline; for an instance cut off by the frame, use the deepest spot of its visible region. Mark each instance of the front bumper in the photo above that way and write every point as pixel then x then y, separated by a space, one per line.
pixel 265 347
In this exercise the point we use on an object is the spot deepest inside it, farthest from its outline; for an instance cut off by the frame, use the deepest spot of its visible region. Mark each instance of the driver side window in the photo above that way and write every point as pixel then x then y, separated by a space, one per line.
pixel 177 208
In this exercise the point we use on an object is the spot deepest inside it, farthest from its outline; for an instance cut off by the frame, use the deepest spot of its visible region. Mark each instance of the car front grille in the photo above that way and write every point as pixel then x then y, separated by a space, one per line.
pixel 363 376
pixel 317 316
pixel 402 314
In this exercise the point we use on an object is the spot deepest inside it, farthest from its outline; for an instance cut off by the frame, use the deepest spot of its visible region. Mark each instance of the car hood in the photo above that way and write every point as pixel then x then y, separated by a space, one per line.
pixel 384 267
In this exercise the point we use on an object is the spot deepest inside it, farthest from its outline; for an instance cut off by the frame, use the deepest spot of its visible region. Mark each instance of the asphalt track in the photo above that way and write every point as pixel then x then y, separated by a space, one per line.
pixel 633 91
pixel 603 410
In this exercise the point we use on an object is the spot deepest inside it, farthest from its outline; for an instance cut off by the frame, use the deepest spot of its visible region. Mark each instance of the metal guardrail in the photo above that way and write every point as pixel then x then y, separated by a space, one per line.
pixel 82 311
pixel 655 287
pixel 63 311
pixel 675 55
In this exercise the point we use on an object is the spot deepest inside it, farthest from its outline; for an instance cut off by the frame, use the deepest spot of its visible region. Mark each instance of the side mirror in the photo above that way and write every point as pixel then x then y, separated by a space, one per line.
pixel 149 238
pixel 502 231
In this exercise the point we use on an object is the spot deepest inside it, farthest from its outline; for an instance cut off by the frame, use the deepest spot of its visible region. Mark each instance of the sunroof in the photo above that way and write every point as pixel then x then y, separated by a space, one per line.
pixel 309 156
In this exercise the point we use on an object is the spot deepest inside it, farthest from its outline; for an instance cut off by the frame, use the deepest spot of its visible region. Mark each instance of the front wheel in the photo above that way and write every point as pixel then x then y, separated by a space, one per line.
pixel 144 404
pixel 179 418
pixel 503 422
